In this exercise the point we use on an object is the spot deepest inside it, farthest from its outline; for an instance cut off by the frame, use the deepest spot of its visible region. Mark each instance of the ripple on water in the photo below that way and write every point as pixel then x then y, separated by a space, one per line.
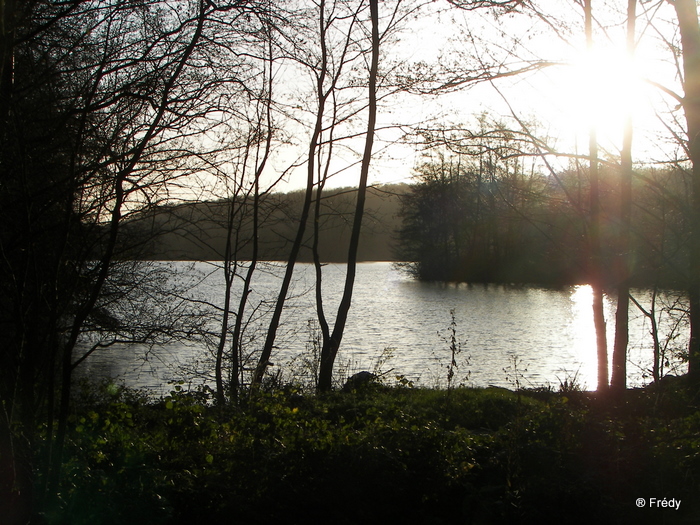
pixel 549 331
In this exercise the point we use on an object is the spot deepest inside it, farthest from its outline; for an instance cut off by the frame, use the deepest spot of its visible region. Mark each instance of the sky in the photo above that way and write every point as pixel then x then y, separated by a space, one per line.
pixel 585 88
pixel 577 90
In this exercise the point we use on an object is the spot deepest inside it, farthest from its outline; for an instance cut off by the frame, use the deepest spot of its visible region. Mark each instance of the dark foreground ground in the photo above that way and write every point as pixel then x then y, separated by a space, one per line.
pixel 385 455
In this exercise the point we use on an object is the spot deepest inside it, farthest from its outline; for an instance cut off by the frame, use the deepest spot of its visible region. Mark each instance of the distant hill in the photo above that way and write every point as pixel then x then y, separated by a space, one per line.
pixel 198 230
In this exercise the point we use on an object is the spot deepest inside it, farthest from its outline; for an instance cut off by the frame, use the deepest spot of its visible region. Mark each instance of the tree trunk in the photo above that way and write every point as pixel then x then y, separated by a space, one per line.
pixel 230 268
pixel 264 360
pixel 16 477
pixel 618 381
pixel 320 311
pixel 686 11
pixel 595 271
pixel 330 350
pixel 229 273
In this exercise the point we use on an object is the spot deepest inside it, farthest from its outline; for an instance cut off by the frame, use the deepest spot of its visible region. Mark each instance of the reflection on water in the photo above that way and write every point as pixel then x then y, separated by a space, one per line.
pixel 550 332
pixel 582 329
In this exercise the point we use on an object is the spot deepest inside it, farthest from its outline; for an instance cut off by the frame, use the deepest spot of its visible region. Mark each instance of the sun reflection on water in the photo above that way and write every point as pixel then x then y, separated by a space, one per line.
pixel 582 330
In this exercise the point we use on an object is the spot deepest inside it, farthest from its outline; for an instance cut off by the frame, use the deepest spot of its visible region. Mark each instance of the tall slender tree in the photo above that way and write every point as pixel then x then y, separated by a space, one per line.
pixel 595 262
pixel 618 380
pixel 321 73
pixel 331 346
pixel 687 16
pixel 244 194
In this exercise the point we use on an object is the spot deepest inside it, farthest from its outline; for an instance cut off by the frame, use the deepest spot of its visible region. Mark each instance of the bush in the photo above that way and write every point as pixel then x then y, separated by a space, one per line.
pixel 375 455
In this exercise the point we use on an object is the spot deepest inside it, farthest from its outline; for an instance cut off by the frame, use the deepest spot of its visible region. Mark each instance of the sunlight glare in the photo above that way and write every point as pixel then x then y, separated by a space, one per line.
pixel 583 331
pixel 602 87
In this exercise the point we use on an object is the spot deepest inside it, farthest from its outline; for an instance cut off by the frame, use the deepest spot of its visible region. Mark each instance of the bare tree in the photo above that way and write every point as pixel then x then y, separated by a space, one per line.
pixel 687 17
pixel 618 381
pixel 595 270
pixel 102 103
pixel 336 36
pixel 247 194
pixel 331 346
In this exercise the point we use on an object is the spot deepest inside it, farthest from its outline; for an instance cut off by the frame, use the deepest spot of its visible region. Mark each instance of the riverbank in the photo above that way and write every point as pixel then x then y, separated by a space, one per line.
pixel 383 455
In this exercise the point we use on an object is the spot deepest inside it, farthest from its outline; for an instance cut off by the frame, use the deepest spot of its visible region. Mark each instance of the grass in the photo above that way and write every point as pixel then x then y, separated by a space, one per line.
pixel 382 455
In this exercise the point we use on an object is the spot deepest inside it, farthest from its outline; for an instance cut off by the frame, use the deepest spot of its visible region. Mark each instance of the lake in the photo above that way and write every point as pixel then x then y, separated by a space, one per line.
pixel 508 336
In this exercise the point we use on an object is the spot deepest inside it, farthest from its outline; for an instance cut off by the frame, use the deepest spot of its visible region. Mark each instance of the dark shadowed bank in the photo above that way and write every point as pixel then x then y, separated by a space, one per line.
pixel 382 454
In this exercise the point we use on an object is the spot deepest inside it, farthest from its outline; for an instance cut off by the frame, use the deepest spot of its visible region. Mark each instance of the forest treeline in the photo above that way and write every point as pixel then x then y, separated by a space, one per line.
pixel 197 231
pixel 470 221
pixel 460 220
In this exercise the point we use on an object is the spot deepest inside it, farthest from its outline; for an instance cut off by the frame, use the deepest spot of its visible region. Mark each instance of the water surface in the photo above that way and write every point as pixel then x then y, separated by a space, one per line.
pixel 508 336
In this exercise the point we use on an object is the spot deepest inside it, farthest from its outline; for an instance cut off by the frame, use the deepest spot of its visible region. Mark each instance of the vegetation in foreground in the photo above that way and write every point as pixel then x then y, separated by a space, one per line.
pixel 382 455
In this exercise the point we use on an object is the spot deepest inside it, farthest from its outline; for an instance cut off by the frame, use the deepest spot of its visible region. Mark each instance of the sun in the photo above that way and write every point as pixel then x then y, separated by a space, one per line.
pixel 598 90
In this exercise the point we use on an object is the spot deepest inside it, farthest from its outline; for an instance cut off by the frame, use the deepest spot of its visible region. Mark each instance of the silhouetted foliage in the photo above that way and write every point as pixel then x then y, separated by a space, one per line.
pixel 379 455
pixel 99 104
pixel 462 222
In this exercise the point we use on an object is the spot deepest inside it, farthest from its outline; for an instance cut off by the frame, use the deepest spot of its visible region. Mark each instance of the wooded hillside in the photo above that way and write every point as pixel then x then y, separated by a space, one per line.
pixel 197 231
